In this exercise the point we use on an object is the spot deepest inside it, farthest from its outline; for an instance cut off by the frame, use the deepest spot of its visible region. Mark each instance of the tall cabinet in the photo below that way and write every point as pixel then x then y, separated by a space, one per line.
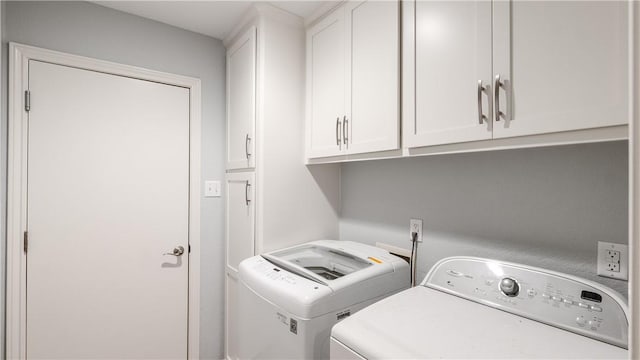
pixel 273 199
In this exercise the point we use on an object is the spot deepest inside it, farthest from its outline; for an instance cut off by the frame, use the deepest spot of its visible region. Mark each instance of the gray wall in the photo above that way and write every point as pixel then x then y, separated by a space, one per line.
pixel 546 207
pixel 92 30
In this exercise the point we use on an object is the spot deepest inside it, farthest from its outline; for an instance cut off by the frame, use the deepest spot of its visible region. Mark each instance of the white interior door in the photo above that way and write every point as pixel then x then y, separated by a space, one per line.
pixel 326 76
pixel 241 101
pixel 453 53
pixel 564 65
pixel 108 187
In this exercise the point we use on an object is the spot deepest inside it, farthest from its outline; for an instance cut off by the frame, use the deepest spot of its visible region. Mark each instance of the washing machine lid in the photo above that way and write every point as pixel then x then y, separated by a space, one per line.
pixel 334 263
pixel 324 276
pixel 480 308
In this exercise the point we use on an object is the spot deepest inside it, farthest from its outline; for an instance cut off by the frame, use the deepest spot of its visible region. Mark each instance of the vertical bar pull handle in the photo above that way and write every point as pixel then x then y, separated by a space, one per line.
pixel 246 193
pixel 345 130
pixel 247 139
pixel 497 84
pixel 338 141
pixel 481 117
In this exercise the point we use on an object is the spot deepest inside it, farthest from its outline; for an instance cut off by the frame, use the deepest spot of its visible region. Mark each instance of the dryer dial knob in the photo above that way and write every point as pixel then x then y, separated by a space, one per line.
pixel 509 287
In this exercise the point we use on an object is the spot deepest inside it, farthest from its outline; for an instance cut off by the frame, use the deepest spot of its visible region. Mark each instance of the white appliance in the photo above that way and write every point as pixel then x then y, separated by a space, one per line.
pixel 470 308
pixel 289 299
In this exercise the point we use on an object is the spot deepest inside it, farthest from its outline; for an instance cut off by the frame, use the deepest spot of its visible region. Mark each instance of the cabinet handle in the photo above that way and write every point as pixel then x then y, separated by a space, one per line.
pixel 345 130
pixel 247 139
pixel 497 84
pixel 338 141
pixel 246 193
pixel 481 117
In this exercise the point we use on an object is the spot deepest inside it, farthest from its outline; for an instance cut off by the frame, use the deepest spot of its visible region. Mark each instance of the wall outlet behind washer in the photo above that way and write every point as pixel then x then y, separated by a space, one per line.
pixel 415 226
pixel 613 260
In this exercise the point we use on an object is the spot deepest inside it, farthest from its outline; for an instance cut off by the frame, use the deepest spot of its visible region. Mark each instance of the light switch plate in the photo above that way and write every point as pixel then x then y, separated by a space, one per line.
pixel 613 260
pixel 212 188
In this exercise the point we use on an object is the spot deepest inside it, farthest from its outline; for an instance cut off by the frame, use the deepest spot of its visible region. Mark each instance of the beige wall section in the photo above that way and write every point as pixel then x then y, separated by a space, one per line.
pixel 91 30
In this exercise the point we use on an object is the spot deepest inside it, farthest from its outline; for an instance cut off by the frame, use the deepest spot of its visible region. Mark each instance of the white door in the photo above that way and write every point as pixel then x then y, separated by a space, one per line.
pixel 563 63
pixel 108 187
pixel 453 53
pixel 326 86
pixel 241 101
pixel 373 76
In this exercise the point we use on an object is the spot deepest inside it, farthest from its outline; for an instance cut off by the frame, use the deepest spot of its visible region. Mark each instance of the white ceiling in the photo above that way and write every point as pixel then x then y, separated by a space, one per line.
pixel 213 18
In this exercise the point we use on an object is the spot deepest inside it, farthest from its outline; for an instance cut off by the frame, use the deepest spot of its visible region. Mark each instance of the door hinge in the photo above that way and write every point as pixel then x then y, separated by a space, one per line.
pixel 26 241
pixel 27 100
pixel 189 247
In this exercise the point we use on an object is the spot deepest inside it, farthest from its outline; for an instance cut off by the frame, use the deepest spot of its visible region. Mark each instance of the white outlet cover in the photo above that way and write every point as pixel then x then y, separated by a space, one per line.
pixel 415 225
pixel 603 260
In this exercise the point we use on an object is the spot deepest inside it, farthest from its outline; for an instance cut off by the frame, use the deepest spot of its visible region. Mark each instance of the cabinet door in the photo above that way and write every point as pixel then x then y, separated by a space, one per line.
pixel 326 86
pixel 240 218
pixel 453 52
pixel 373 76
pixel 241 101
pixel 231 315
pixel 563 64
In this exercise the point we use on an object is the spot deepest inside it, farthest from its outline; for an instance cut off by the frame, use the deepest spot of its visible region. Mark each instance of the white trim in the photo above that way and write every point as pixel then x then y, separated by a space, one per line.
pixel 634 179
pixel 611 133
pixel 255 14
pixel 19 55
pixel 323 10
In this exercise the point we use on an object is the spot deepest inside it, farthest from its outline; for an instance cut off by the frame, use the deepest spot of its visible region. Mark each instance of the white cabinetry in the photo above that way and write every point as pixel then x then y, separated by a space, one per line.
pixel 564 65
pixel 353 80
pixel 276 201
pixel 240 218
pixel 241 101
pixel 453 53
pixel 488 70
pixel 326 86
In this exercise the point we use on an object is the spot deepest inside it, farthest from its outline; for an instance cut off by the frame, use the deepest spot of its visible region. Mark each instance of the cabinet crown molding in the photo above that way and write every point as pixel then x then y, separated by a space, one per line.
pixel 258 12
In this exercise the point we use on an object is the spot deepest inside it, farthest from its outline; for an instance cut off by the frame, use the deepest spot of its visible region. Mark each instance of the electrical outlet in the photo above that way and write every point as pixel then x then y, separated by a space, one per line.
pixel 612 260
pixel 613 256
pixel 415 226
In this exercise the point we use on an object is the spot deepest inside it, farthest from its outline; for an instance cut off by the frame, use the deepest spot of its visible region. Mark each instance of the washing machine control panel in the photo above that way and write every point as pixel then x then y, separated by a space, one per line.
pixel 560 300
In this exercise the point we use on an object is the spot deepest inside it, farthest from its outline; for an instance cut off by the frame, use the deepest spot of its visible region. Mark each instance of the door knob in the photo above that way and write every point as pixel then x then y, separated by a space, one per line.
pixel 177 251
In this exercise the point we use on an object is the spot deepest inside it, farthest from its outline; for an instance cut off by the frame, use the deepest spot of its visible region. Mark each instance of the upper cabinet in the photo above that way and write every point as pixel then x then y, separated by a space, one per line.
pixel 488 70
pixel 241 101
pixel 353 84
pixel 453 57
pixel 559 65
pixel 326 86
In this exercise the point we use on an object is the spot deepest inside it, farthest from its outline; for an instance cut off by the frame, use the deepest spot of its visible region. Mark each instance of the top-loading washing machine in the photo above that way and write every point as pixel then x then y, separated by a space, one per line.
pixel 472 308
pixel 289 299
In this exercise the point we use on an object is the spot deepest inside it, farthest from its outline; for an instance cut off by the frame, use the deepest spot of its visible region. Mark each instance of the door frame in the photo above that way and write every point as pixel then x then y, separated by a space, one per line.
pixel 19 56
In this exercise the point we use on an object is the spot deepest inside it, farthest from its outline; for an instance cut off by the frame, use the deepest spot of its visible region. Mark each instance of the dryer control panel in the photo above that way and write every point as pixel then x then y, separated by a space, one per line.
pixel 556 299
